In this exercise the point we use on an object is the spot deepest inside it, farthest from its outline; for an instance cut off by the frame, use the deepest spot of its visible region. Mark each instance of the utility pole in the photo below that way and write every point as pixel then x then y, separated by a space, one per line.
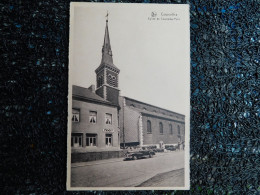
pixel 124 122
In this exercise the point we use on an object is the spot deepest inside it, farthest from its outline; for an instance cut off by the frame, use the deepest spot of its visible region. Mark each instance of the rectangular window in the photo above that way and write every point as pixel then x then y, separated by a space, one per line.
pixel 75 115
pixel 91 139
pixel 76 140
pixel 93 117
pixel 108 140
pixel 108 118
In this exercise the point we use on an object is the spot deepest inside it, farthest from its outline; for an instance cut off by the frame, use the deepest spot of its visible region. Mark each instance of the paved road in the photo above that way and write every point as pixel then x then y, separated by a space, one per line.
pixel 119 173
pixel 172 178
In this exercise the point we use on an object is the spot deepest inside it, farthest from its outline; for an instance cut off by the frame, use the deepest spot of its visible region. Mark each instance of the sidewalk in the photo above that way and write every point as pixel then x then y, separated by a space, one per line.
pixel 99 162
pixel 171 178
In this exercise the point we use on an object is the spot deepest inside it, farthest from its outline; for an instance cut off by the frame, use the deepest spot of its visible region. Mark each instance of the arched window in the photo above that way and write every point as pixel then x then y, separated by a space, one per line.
pixel 179 130
pixel 112 80
pixel 161 127
pixel 170 127
pixel 149 127
pixel 109 79
pixel 100 81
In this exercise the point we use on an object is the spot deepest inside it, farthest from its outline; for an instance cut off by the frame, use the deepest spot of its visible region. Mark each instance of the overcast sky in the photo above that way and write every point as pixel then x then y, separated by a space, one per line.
pixel 153 56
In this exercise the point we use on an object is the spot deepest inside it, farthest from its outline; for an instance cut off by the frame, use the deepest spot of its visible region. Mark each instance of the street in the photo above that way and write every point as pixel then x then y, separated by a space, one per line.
pixel 142 172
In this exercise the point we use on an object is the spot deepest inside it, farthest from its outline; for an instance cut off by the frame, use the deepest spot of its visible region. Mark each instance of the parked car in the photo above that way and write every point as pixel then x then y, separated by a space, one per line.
pixel 134 155
pixel 158 150
pixel 171 147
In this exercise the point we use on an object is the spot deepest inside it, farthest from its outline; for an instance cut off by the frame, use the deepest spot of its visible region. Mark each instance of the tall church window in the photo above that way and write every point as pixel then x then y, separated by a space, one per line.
pixel 179 130
pixel 161 127
pixel 170 127
pixel 149 127
pixel 75 115
pixel 113 81
pixel 108 118
pixel 93 117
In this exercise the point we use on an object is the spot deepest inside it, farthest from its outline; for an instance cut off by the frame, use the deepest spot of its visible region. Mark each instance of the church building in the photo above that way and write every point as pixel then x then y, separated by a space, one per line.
pixel 142 124
pixel 103 120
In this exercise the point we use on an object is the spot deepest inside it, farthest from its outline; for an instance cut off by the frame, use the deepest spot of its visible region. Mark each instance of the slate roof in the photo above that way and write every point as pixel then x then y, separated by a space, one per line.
pixel 87 94
pixel 180 117
pixel 156 114
pixel 107 59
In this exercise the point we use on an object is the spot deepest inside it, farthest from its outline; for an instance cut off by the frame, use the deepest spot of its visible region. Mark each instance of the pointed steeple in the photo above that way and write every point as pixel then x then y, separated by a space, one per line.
pixel 107 59
pixel 106 50
pixel 107 73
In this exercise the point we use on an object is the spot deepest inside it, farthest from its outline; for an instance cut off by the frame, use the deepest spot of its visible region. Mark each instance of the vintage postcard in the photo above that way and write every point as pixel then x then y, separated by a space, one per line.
pixel 129 97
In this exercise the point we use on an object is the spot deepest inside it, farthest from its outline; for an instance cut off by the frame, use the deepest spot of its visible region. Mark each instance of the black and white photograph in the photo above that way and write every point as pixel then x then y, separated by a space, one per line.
pixel 129 97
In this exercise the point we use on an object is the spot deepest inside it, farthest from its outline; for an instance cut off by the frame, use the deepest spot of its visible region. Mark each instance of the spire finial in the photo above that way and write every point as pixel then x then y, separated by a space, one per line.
pixel 107 16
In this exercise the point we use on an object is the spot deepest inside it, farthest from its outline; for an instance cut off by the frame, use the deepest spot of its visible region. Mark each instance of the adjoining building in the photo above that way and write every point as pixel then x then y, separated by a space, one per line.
pixel 95 121
pixel 147 125
pixel 102 120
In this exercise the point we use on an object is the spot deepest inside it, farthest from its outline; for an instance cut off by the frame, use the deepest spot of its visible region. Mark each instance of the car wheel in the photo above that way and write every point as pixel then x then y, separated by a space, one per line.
pixel 150 155
pixel 134 157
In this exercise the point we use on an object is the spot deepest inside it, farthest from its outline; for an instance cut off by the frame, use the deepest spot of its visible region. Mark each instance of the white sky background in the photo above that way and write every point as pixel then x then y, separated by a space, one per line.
pixel 153 56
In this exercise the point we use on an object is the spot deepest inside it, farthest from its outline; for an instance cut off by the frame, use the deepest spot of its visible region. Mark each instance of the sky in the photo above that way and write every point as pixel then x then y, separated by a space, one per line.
pixel 153 55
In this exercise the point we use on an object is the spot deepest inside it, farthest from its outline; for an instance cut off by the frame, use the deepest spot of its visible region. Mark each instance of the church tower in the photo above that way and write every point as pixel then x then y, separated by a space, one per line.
pixel 107 73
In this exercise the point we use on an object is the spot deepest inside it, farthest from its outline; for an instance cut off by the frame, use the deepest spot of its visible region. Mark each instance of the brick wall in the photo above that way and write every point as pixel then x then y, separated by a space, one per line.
pixel 101 73
pixel 112 95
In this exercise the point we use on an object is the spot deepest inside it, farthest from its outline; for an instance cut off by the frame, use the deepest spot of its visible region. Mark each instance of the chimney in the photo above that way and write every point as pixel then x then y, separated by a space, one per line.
pixel 92 88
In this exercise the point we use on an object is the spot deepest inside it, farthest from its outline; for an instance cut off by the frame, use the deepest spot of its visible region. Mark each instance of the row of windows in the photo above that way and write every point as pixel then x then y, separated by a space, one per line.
pixel 149 128
pixel 91 140
pixel 92 117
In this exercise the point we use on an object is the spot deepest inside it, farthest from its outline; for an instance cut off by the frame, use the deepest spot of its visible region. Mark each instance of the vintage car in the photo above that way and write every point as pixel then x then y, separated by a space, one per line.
pixel 134 155
pixel 171 147
pixel 158 150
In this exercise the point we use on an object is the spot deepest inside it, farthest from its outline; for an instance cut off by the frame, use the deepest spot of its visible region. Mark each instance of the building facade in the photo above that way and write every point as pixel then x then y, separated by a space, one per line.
pixel 147 125
pixel 94 121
